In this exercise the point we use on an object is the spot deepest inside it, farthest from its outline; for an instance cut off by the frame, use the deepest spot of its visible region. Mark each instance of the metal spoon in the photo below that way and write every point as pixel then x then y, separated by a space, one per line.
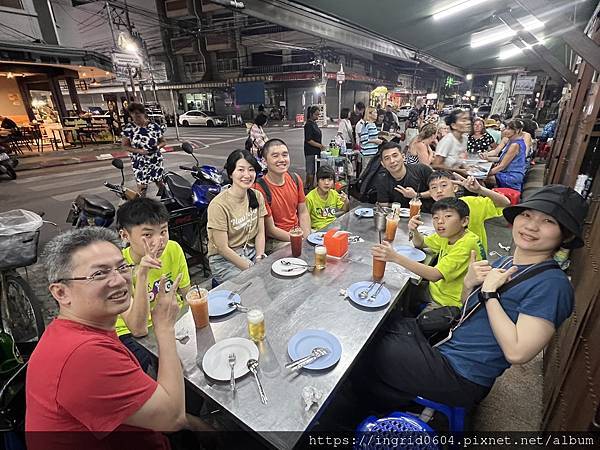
pixel 374 296
pixel 365 292
pixel 315 354
pixel 238 306
pixel 252 366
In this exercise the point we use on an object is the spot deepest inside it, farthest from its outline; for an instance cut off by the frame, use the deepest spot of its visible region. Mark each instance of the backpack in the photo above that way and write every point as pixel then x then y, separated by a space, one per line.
pixel 265 186
pixel 363 189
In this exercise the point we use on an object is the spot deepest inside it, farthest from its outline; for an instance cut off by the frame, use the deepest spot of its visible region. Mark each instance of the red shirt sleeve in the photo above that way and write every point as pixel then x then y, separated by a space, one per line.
pixel 101 385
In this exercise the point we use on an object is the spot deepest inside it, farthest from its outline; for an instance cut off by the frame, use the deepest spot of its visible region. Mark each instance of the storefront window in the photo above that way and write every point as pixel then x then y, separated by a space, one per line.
pixel 201 101
pixel 43 106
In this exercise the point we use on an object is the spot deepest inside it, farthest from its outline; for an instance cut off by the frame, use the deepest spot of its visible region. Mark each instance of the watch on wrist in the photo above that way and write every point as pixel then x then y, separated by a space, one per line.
pixel 485 296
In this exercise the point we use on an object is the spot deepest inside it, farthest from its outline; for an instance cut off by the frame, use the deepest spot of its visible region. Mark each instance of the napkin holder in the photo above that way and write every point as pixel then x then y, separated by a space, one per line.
pixel 336 242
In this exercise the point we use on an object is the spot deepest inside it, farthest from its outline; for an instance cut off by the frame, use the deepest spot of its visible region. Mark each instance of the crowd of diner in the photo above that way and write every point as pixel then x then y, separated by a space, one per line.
pixel 89 373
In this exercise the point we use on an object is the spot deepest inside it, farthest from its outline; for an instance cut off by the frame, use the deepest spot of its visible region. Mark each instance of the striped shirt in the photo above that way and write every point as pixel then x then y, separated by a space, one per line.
pixel 368 133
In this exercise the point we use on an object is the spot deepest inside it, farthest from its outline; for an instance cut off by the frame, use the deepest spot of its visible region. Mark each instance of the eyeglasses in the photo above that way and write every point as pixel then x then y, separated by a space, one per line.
pixel 101 275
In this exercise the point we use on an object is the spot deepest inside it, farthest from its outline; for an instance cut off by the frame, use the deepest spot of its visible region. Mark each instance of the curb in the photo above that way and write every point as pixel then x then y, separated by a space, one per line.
pixel 68 160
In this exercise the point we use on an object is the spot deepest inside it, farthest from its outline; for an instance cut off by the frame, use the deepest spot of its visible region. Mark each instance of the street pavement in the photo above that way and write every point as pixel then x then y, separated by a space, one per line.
pixel 53 189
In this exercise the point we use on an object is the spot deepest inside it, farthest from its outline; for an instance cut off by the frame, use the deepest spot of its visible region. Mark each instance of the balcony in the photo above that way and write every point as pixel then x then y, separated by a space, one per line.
pixel 221 41
pixel 279 68
pixel 177 8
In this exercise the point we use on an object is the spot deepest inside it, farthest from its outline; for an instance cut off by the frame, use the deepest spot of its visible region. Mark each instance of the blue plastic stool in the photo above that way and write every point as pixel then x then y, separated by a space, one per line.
pixel 384 431
pixel 455 414
pixel 215 283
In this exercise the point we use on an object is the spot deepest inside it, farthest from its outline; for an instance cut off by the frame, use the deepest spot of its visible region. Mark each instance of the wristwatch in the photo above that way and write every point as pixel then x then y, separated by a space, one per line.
pixel 485 296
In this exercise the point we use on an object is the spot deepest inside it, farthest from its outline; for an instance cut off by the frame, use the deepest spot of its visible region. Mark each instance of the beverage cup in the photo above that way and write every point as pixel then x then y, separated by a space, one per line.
pixel 296 241
pixel 256 325
pixel 391 225
pixel 320 257
pixel 415 207
pixel 197 298
pixel 378 269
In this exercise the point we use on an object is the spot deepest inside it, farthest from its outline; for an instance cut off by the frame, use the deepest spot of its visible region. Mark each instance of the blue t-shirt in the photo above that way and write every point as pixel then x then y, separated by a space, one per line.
pixel 473 351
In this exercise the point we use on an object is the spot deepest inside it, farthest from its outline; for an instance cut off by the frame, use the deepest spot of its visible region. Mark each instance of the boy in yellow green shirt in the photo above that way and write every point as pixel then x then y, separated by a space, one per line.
pixel 324 202
pixel 143 224
pixel 452 242
pixel 487 204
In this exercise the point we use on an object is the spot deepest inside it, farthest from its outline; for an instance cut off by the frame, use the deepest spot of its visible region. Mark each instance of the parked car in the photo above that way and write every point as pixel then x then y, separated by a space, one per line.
pixel 403 111
pixel 482 110
pixel 197 117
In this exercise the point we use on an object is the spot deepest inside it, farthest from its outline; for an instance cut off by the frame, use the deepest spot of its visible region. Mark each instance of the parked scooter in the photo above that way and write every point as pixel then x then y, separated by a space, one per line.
pixel 188 204
pixel 8 164
pixel 93 210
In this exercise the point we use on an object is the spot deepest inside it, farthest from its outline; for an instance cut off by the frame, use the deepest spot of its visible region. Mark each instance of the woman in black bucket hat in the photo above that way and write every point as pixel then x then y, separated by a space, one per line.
pixel 512 307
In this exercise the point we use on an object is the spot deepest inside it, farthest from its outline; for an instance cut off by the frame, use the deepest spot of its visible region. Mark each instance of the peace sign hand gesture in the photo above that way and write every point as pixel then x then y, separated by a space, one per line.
pixel 150 259
pixel 470 183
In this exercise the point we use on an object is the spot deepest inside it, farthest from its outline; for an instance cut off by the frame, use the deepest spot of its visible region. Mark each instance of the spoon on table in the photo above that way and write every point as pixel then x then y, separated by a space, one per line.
pixel 365 292
pixel 252 366
pixel 374 296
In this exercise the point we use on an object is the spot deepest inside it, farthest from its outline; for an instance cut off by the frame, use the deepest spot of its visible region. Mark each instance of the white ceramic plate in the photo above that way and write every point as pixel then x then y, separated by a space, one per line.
pixel 289 271
pixel 216 360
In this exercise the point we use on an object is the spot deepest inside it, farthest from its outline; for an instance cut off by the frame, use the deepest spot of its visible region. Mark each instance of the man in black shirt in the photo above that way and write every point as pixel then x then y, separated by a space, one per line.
pixel 400 182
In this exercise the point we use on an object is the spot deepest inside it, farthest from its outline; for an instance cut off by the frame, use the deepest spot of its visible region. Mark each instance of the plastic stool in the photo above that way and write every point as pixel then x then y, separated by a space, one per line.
pixel 215 283
pixel 455 414
pixel 390 427
pixel 512 194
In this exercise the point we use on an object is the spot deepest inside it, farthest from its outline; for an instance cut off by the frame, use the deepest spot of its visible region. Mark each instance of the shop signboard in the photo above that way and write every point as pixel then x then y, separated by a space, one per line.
pixel 524 85
pixel 122 62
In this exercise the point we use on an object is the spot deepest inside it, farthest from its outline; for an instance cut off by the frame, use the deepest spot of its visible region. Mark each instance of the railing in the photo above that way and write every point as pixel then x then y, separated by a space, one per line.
pixel 279 68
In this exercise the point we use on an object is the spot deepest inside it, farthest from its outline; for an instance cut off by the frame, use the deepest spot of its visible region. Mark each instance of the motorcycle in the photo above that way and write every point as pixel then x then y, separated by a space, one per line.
pixel 188 205
pixel 93 210
pixel 7 165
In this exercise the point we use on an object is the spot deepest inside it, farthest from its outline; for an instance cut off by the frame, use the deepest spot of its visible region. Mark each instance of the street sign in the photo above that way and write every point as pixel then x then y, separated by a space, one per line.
pixel 122 62
pixel 524 85
pixel 340 75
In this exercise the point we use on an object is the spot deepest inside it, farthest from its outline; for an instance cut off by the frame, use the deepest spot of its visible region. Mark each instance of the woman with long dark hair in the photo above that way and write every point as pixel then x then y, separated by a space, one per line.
pixel 236 227
pixel 143 140
pixel 312 144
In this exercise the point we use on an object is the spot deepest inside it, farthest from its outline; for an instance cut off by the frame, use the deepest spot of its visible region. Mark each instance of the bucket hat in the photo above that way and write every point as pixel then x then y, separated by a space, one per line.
pixel 562 203
pixel 489 123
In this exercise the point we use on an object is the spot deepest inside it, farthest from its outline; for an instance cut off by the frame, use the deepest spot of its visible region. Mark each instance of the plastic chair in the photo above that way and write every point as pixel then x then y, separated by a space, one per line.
pixel 386 429
pixel 455 414
pixel 512 194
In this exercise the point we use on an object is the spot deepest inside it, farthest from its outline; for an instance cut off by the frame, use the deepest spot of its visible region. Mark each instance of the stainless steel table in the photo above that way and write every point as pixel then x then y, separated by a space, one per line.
pixel 311 301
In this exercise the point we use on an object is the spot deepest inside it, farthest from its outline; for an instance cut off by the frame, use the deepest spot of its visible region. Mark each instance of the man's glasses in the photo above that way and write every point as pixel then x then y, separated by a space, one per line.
pixel 102 274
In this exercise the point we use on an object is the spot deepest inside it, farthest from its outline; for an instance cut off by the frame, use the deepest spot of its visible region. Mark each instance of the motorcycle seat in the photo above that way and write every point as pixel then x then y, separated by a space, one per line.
pixel 96 206
pixel 180 188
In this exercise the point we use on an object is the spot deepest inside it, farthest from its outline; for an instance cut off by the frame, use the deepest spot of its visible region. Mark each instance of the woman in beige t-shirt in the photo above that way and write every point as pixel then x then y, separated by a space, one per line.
pixel 236 227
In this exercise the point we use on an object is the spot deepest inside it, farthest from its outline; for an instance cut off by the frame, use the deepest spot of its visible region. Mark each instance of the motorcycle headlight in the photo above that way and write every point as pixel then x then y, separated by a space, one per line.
pixel 217 178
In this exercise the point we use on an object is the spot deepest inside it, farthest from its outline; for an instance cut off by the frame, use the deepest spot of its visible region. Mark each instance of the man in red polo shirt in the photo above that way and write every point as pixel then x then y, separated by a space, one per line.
pixel 284 196
pixel 85 389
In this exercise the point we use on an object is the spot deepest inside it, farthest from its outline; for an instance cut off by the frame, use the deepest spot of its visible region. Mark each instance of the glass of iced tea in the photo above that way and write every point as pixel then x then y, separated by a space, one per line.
pixel 415 207
pixel 391 225
pixel 256 325
pixel 197 298
pixel 320 257
pixel 378 269
pixel 296 241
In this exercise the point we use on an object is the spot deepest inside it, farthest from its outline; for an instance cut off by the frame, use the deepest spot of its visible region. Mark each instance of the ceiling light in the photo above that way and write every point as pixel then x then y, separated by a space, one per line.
pixel 502 32
pixel 469 76
pixel 10 75
pixel 456 8
pixel 491 83
pixel 513 50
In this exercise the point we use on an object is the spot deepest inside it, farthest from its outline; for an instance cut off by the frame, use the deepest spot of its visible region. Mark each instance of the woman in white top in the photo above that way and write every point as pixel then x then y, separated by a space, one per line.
pixel 451 150
pixel 345 128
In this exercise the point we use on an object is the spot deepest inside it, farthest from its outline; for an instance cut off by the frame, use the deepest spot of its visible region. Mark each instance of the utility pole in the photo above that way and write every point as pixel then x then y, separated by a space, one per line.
pixel 112 32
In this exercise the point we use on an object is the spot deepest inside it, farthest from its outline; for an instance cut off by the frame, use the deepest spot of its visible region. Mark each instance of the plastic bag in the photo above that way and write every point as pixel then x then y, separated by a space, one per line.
pixel 19 221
